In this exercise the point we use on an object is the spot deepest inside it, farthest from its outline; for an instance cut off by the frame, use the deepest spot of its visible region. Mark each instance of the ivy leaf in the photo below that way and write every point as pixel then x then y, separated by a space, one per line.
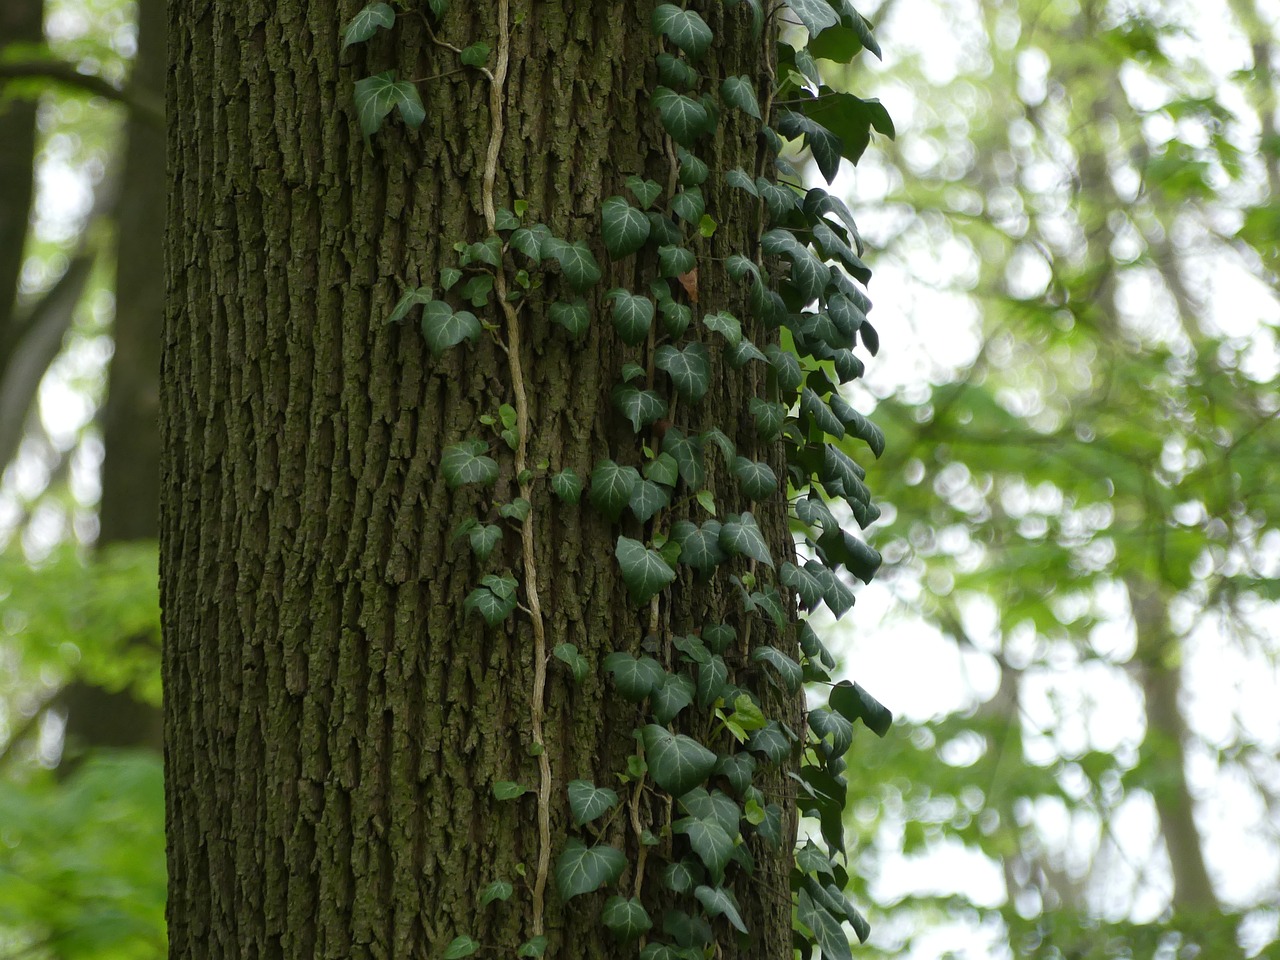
pixel 498 890
pixel 625 229
pixel 530 240
pixel 410 299
pixel 742 537
pixel 812 407
pixel 676 317
pixel 725 324
pixel 809 275
pixel 719 902
pixel 710 842
pixel 674 695
pixel 683 117
pixel 716 806
pixel 687 453
pixel 684 28
pixel 834 732
pixel 768 417
pixel 567 653
pixel 712 678
pixel 699 546
pixel 827 931
pixel 718 636
pixel 646 191
pixel 693 169
pixel 574 317
pixel 675 72
pixel 517 510
pixel 647 499
pixel 492 606
pixel 740 92
pixel 689 369
pixel 367 22
pixel 640 407
pixel 577 262
pixel 442 328
pixel 625 918
pixel 757 480
pixel 632 315
pixel 508 790
pixel 484 537
pixel 786 667
pixel 611 487
pixel 689 205
pixel 743 352
pixel 475 55
pixel 377 96
pixel 587 801
pixel 533 947
pixel 806 585
pixel 771 741
pixel 674 261
pixel 738 769
pixel 567 485
pixel 852 702
pixel 742 180
pixel 816 15
pixel 681 876
pixel 466 462
pixel 663 469
pixel 581 869
pixel 825 145
pixel 677 762
pixel 644 571
pixel 460 947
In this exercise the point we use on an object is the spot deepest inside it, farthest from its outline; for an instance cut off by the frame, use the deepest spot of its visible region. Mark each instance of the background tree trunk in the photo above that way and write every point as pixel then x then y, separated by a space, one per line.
pixel 334 722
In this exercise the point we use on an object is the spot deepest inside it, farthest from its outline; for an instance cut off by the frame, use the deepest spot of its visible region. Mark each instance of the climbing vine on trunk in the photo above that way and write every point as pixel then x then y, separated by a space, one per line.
pixel 718 759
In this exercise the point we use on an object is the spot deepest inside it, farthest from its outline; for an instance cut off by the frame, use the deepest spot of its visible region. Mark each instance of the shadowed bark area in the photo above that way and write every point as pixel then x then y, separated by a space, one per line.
pixel 334 722
pixel 21 22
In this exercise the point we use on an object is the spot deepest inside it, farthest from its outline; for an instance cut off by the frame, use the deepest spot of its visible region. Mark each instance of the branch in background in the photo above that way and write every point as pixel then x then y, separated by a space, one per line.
pixel 148 107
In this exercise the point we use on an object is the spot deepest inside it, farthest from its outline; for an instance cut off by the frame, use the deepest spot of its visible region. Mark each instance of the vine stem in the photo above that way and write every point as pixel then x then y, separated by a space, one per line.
pixel 497 121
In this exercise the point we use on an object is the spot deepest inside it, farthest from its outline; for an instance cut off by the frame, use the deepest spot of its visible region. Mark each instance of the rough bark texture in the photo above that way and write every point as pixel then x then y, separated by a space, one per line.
pixel 334 722
pixel 21 22
pixel 130 418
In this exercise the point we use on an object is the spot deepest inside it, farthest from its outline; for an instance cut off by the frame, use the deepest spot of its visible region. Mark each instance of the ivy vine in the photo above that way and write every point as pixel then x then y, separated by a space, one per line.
pixel 705 738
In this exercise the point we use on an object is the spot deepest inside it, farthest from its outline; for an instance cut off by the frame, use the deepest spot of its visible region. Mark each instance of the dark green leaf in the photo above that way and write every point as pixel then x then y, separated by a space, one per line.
pixel 636 677
pixel 676 317
pixel 475 55
pixel 683 117
pixel 725 324
pixel 693 170
pixel 567 653
pixel 740 179
pixel 742 537
pixel 647 498
pixel 626 919
pixel 684 28
pixel 828 933
pixel 719 902
pixel 687 453
pixel 713 846
pixel 377 96
pixel 740 92
pixel 699 546
pixel 688 205
pixel 738 769
pixel 442 328
pixel 675 261
pixel 678 763
pixel 768 417
pixel 675 72
pixel 682 876
pixel 411 298
pixel 668 700
pixel 567 485
pixel 646 191
pixel 689 369
pixel 466 462
pixel 581 869
pixel 611 487
pixel 574 316
pixel 508 790
pixel 787 668
pixel 533 947
pixel 587 801
pixel 484 537
pixel 854 703
pixel 460 947
pixel 644 571
pixel 713 676
pixel 771 741
pixel 625 229
pixel 577 262
pixel 816 15
pixel 756 480
pixel 663 469
pixel 367 22
pixel 494 608
pixel 640 407
pixel 529 241
pixel 632 315
pixel 498 890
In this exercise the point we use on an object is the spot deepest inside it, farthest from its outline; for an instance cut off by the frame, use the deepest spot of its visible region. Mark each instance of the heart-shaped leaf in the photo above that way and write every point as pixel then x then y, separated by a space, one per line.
pixel 581 869
pixel 625 918
pixel 611 487
pixel 367 22
pixel 644 571
pixel 713 846
pixel 587 801
pixel 467 462
pixel 635 677
pixel 567 485
pixel 377 96
pixel 443 328
pixel 632 315
pixel 677 762
pixel 689 369
pixel 625 229
pixel 719 902
pixel 684 28
pixel 740 92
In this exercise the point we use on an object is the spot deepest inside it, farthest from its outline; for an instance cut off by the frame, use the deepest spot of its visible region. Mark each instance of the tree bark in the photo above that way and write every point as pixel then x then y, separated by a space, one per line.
pixel 21 22
pixel 334 722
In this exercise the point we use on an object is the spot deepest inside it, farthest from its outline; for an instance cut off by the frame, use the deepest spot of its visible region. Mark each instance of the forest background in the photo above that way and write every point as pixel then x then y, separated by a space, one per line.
pixel 1076 242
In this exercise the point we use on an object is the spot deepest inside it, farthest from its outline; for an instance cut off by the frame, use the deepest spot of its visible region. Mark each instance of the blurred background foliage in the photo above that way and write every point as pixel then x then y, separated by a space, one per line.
pixel 1077 236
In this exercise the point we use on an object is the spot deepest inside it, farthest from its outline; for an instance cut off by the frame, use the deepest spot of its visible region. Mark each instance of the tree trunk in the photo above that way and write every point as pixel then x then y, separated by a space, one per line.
pixel 21 22
pixel 335 723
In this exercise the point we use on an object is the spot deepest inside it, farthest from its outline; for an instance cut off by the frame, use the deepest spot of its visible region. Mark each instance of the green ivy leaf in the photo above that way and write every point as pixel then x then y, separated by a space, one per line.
pixel 567 653
pixel 713 846
pixel 683 117
pixel 577 262
pixel 663 470
pixel 517 510
pixel 484 537
pixel 689 205
pixel 715 805
pixel 504 219
pixel 477 289
pixel 741 537
pixel 640 407
pixel 687 453
pixel 625 918
pixel 632 315
pixel 493 606
pixel 367 22
pixel 533 947
pixel 834 732
pixel 647 499
pixel 699 545
pixel 806 585
pixel 809 275
pixel 816 15
pixel 693 169
pixel 780 199
pixel 689 369
pixel 719 902
pixel 466 462
pixel 675 261
pixel 567 485
pixel 677 762
pixel 410 299
pixel 741 180
pixel 740 92
pixel 675 72
pixel 611 487
pixel 738 769
pixel 498 890
pixel 713 676
pixel 768 417
pixel 827 931
pixel 460 947
pixel 587 801
pixel 635 677
pixel 826 147
pixel 668 700
pixel 475 55
pixel 756 480
pixel 530 241
pixel 442 328
pixel 812 407
pixel 581 869
pixel 646 191
pixel 852 702
pixel 574 317
pixel 644 571
pixel 681 876
pixel 676 317
pixel 772 741
pixel 625 229
pixel 725 324
pixel 719 636
pixel 377 96
pixel 684 28
pixel 508 790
